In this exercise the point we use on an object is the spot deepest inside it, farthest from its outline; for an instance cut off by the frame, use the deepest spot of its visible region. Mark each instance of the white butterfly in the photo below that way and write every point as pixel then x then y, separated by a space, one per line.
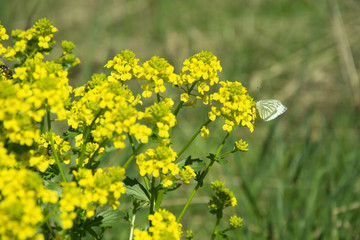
pixel 269 109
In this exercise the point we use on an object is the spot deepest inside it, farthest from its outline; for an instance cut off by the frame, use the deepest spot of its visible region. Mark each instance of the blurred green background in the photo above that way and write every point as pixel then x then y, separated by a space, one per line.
pixel 300 178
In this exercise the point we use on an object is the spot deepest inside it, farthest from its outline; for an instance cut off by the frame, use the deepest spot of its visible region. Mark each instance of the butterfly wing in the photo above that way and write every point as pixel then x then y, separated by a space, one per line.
pixel 269 109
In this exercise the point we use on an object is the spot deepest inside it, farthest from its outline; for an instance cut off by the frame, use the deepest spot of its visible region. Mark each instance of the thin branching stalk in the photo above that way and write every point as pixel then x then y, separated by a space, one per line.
pixel 180 104
pixel 53 149
pixel 132 226
pixel 202 177
pixel 192 139
pixel 133 155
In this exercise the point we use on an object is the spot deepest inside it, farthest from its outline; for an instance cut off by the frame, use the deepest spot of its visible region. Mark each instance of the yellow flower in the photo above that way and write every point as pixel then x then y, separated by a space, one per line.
pixel 235 221
pixel 186 174
pixel 203 87
pixel 3 35
pixel 204 132
pixel 222 199
pixel 125 65
pixel 158 161
pixel 44 42
pixel 241 146
pixel 21 214
pixel 184 97
pixel 163 227
pixel 237 106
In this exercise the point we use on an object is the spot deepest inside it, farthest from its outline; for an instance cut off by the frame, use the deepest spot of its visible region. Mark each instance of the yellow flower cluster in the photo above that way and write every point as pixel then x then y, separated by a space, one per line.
pixel 186 174
pixel 235 221
pixel 37 38
pixel 23 104
pixel 43 157
pixel 163 227
pixel 160 115
pixel 223 198
pixel 158 161
pixel 103 112
pixel 103 187
pixel 91 149
pixel 156 71
pixel 48 83
pixel 237 106
pixel 201 66
pixel 17 115
pixel 200 70
pixel 241 146
pixel 125 66
pixel 20 210
pixel 109 106
pixel 7 160
pixel 3 36
pixel 204 132
pixel 42 85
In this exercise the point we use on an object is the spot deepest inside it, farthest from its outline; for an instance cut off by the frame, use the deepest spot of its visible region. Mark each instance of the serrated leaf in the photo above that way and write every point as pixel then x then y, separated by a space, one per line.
pixel 196 164
pixel 212 157
pixel 70 134
pixel 110 218
pixel 135 189
pixel 53 186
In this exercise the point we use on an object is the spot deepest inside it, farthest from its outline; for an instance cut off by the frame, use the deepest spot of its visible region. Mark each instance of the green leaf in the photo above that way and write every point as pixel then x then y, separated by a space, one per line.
pixel 196 164
pixel 70 134
pixel 222 236
pixel 53 186
pixel 109 218
pixel 136 190
pixel 220 160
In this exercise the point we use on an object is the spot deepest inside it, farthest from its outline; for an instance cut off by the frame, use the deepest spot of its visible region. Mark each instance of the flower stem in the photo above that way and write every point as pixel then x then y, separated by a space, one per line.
pixel 133 155
pixel 180 104
pixel 56 157
pixel 192 139
pixel 152 196
pixel 132 226
pixel 53 146
pixel 215 228
pixel 202 177
pixel 83 146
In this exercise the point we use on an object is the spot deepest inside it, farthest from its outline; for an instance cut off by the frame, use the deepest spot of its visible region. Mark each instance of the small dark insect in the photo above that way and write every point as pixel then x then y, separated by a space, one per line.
pixel 49 150
pixel 7 71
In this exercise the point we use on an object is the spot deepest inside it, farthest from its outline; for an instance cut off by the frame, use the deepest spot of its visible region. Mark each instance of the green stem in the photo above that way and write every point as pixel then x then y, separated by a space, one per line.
pixel 152 197
pixel 215 228
pixel 57 160
pixel 131 142
pixel 224 154
pixel 33 53
pixel 180 104
pixel 178 107
pixel 133 155
pixel 192 139
pixel 46 220
pixel 48 119
pixel 132 226
pixel 202 177
pixel 159 196
pixel 147 183
pixel 83 146
pixel 91 159
pixel 86 135
pixel 42 124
